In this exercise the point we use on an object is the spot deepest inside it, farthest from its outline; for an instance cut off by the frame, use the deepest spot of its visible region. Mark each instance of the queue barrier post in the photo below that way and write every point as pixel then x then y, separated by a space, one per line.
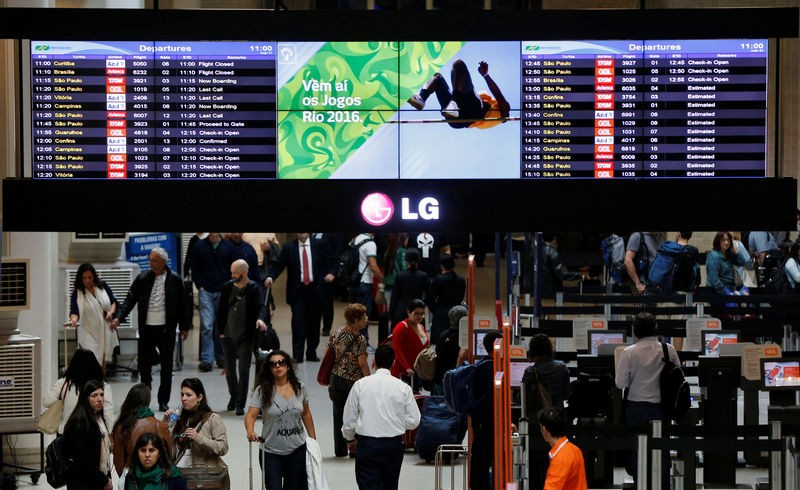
pixel 641 461
pixel 775 459
pixel 655 458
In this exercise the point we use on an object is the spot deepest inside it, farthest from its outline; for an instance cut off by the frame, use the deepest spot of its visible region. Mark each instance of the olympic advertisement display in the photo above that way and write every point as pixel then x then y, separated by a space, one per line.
pixel 397 110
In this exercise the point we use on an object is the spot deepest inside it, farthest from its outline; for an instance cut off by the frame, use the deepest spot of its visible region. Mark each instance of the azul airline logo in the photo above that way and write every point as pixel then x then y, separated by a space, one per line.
pixel 377 209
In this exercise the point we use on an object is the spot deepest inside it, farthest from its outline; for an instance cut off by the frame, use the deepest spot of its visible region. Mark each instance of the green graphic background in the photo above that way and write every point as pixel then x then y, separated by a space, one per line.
pixel 375 70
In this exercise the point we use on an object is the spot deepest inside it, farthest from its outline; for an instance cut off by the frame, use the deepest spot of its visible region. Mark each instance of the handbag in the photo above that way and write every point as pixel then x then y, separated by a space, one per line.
pixel 326 366
pixel 51 418
pixel 206 477
pixel 57 466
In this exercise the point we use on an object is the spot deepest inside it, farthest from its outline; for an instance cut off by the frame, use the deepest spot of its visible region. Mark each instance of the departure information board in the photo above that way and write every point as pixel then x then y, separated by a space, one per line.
pixel 221 110
pixel 133 110
pixel 644 109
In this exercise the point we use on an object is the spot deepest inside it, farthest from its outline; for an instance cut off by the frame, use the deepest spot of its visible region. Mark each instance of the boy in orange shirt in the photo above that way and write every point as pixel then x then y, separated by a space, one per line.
pixel 566 471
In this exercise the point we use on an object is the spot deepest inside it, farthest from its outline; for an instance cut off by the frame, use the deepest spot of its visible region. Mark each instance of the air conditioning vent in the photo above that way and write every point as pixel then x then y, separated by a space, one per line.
pixel 14 284
pixel 17 383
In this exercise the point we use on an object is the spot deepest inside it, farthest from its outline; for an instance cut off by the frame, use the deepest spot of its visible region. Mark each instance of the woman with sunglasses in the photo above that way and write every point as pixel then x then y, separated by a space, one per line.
pixel 199 434
pixel 283 402
pixel 408 340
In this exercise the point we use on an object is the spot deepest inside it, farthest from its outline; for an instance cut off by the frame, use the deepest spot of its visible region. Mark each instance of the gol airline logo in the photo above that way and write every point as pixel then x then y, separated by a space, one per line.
pixel 598 324
pixel 712 324
pixel 484 323
pixel 771 352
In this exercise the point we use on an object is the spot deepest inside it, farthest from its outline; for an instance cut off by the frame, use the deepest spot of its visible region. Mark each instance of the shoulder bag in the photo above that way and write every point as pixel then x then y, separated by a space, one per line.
pixel 201 476
pixel 51 418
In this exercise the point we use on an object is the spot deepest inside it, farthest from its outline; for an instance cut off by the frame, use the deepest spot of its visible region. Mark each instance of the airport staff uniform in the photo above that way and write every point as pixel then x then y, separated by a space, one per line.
pixel 566 471
pixel 378 411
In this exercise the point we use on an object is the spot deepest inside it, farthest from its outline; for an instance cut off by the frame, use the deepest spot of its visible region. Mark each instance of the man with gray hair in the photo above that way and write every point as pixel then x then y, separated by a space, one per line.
pixel 241 312
pixel 162 307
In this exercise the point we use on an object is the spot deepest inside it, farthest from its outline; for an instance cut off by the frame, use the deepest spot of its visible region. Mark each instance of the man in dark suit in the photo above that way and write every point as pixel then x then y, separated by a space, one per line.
pixel 335 242
pixel 311 266
pixel 447 290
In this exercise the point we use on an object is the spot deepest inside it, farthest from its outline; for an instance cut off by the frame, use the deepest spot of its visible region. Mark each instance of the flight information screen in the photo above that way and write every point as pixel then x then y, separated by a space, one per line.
pixel 397 110
pixel 134 110
pixel 644 109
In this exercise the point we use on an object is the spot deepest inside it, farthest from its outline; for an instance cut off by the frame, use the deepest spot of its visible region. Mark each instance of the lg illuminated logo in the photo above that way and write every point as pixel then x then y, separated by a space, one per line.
pixel 377 209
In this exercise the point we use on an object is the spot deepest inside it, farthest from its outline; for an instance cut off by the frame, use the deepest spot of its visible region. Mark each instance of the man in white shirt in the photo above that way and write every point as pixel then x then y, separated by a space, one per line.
pixel 639 370
pixel 378 411
pixel 368 266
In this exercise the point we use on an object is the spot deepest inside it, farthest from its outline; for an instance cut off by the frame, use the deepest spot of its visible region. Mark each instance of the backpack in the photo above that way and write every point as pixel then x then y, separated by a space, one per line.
pixel 777 282
pixel 461 393
pixel 614 257
pixel 675 396
pixel 642 259
pixel 57 465
pixel 537 394
pixel 348 264
pixel 774 261
pixel 425 365
pixel 672 261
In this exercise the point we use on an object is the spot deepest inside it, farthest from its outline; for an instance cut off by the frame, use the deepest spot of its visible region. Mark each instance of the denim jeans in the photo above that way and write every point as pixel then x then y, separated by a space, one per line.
pixel 208 304
pixel 286 472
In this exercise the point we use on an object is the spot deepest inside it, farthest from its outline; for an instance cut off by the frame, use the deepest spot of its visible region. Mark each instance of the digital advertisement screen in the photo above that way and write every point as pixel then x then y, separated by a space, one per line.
pixel 781 373
pixel 397 110
pixel 599 338
pixel 712 339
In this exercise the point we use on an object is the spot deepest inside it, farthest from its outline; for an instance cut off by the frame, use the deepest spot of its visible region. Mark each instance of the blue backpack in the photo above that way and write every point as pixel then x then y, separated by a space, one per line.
pixel 461 391
pixel 671 257
pixel 614 257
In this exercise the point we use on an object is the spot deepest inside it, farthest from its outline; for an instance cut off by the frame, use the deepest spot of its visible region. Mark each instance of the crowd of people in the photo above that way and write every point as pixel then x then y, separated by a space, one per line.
pixel 393 281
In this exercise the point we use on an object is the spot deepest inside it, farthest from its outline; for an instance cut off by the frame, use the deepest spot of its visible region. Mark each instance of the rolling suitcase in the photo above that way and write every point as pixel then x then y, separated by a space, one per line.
pixel 438 425
pixel 410 436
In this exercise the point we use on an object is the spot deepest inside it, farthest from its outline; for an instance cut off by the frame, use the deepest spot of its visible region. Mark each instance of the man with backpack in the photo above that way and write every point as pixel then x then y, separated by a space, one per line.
pixel 639 255
pixel 675 270
pixel 366 269
pixel 482 452
pixel 554 271
pixel 639 371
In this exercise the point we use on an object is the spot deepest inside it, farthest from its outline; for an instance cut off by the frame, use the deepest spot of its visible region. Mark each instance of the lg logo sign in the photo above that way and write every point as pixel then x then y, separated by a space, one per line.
pixel 377 209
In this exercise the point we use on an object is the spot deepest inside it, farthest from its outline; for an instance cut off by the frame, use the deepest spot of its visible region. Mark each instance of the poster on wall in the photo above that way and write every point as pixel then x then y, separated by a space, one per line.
pixel 138 249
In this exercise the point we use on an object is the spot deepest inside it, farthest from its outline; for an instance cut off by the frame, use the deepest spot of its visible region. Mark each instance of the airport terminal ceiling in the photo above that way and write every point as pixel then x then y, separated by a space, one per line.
pixel 644 117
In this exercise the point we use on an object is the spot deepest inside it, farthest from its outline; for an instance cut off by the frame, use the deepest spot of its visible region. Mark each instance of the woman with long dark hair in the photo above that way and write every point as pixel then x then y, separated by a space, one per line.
pixel 721 261
pixel 93 303
pixel 199 434
pixel 150 466
pixel 86 439
pixel 82 367
pixel 135 418
pixel 283 402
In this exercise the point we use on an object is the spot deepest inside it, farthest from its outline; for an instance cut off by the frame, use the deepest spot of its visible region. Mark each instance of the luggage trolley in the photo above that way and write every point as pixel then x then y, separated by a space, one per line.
pixel 452 451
